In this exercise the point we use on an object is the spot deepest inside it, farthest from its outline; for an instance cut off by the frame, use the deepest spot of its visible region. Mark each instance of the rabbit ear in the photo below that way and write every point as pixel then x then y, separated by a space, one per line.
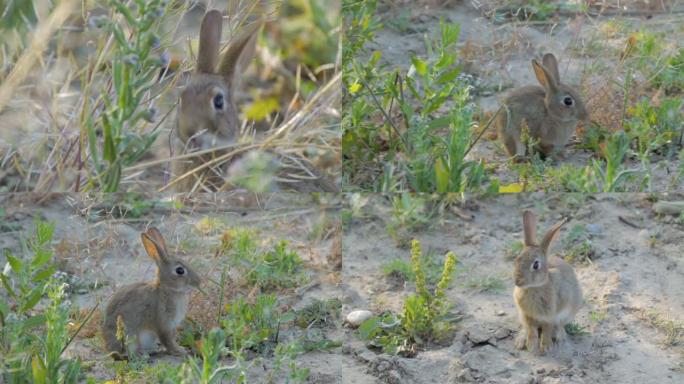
pixel 240 52
pixel 157 237
pixel 551 235
pixel 153 249
pixel 544 77
pixel 529 228
pixel 209 42
pixel 550 63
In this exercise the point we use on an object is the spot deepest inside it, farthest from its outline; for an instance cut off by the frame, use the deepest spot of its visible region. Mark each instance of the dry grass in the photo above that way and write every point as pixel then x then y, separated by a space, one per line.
pixel 43 146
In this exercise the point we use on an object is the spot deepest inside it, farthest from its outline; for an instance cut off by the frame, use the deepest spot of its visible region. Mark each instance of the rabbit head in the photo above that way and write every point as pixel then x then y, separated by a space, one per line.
pixel 531 265
pixel 207 104
pixel 562 102
pixel 173 273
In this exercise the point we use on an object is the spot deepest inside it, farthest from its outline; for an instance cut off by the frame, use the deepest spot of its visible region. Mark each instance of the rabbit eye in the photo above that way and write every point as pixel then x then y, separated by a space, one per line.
pixel 535 265
pixel 180 271
pixel 568 101
pixel 218 101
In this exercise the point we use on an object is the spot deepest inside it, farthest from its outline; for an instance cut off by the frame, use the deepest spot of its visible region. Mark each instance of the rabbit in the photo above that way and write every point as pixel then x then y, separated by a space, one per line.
pixel 207 115
pixel 547 293
pixel 154 308
pixel 551 112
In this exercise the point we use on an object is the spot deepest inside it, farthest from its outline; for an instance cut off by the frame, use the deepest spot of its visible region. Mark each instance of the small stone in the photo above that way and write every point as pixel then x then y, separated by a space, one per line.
pixel 594 229
pixel 478 334
pixel 394 376
pixel 466 375
pixel 502 333
pixel 500 313
pixel 541 370
pixel 383 366
pixel 357 317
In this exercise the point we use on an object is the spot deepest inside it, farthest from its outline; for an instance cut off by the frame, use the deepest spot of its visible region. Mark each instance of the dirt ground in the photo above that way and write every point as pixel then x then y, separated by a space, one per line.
pixel 101 251
pixel 634 270
pixel 498 56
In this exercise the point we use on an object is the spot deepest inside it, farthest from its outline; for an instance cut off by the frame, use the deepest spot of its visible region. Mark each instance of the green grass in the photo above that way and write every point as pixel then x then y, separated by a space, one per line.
pixel 574 329
pixel 486 283
pixel 270 268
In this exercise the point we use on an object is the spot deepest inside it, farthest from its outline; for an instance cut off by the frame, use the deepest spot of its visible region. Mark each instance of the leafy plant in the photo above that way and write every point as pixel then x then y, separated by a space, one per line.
pixel 125 105
pixel 425 315
pixel 32 342
pixel 251 326
pixel 279 267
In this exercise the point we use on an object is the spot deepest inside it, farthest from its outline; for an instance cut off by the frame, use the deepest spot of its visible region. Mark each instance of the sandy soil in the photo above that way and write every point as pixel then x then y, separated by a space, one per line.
pixel 633 270
pixel 499 57
pixel 100 252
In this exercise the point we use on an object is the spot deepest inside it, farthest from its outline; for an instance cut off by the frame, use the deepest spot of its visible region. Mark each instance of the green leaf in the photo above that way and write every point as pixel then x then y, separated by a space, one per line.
pixel 15 263
pixel 369 328
pixel 32 299
pixel 38 370
pixel 419 65
pixel 442 176
pixel 44 274
pixel 34 321
pixel 4 310
pixel 42 256
pixel 6 284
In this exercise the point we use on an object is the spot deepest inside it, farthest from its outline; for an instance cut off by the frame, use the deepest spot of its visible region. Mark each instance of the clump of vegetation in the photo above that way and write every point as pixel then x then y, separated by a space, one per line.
pixel 575 329
pixel 424 319
pixel 416 151
pixel 270 269
pixel 486 283
pixel 577 246
pixel 431 264
pixel 671 327
pixel 32 341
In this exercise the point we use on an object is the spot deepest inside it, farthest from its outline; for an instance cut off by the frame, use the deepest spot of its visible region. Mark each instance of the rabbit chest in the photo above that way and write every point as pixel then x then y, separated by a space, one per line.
pixel 174 310
pixel 536 303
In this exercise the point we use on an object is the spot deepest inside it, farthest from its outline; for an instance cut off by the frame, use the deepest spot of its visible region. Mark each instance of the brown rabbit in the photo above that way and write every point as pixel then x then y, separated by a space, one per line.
pixel 551 112
pixel 154 308
pixel 547 293
pixel 207 115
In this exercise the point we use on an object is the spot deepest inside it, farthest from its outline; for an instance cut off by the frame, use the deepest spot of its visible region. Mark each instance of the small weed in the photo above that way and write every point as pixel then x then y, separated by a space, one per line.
pixel 425 316
pixel 574 329
pixel 597 316
pixel 488 283
pixel 513 250
pixel 409 214
pixel 578 248
pixel 671 327
pixel 319 313
pixel 270 269
pixel 398 268
pixel 251 326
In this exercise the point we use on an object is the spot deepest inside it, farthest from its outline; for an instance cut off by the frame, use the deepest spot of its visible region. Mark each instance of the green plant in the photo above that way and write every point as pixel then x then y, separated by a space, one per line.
pixel 577 246
pixel 425 315
pixel 319 313
pixel 251 326
pixel 209 371
pixel 125 105
pixel 32 342
pixel 576 329
pixel 272 269
pixel 284 356
pixel 486 283
pixel 414 150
